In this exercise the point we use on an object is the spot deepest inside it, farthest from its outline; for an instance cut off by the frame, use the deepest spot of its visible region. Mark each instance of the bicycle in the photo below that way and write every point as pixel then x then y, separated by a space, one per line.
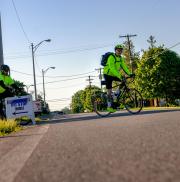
pixel 124 98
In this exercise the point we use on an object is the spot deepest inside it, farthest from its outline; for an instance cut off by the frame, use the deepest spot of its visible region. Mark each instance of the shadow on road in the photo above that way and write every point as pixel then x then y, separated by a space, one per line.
pixel 95 117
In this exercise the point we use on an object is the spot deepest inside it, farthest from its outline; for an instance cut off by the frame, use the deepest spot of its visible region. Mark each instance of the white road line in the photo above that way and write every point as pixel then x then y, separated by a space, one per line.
pixel 13 161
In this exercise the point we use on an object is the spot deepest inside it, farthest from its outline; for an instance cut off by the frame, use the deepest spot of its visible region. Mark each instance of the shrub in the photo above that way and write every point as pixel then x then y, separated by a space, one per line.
pixel 8 126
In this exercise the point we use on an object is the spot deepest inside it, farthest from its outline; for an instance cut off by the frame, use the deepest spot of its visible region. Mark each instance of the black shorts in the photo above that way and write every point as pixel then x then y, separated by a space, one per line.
pixel 109 80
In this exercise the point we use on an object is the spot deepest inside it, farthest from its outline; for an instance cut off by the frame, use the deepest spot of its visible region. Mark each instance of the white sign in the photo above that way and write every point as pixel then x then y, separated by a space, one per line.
pixel 20 106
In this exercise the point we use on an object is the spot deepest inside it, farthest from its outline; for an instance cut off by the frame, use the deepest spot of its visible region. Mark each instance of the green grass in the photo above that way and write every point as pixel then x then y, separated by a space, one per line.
pixel 25 118
pixel 159 108
pixel 9 126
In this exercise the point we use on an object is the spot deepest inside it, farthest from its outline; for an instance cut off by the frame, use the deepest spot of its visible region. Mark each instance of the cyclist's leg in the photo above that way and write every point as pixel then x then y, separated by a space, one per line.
pixel 109 80
pixel 2 114
pixel 4 95
pixel 109 88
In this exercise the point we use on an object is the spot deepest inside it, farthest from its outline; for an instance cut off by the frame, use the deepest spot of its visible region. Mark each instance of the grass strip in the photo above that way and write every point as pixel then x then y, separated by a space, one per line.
pixel 159 108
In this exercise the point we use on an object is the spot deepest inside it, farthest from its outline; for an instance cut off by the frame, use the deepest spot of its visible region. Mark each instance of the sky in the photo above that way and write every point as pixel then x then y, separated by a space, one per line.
pixel 80 32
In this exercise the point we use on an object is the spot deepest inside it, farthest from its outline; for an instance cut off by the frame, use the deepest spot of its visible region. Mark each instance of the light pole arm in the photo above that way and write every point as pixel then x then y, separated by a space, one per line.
pixel 45 70
pixel 36 46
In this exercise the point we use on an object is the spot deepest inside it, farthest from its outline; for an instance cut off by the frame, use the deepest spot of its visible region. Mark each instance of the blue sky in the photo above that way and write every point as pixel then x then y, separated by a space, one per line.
pixel 81 31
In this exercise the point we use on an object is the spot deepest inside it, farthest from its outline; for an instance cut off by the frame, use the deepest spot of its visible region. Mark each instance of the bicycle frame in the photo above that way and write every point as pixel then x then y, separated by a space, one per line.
pixel 122 87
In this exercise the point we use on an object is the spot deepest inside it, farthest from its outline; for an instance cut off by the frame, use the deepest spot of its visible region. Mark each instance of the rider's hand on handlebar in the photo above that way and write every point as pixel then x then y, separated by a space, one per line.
pixel 9 87
pixel 132 75
pixel 123 79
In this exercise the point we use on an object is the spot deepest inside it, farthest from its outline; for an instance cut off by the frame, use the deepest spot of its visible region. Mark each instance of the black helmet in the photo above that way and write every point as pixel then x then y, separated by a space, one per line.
pixel 5 68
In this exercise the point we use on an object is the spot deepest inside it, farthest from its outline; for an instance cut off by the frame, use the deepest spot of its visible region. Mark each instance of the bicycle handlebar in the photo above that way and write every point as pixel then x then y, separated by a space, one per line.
pixel 127 77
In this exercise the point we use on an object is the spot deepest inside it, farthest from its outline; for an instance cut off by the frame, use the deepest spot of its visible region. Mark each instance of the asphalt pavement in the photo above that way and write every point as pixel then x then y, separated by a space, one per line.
pixel 123 147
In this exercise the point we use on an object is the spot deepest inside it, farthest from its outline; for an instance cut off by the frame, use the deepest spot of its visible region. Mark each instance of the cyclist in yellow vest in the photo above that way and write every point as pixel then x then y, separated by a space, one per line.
pixel 112 73
pixel 5 82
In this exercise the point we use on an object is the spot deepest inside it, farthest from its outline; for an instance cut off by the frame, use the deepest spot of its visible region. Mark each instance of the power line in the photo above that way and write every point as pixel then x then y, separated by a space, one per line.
pixel 59 52
pixel 25 34
pixel 62 80
pixel 70 75
pixel 59 76
pixel 65 50
pixel 69 86
pixel 61 99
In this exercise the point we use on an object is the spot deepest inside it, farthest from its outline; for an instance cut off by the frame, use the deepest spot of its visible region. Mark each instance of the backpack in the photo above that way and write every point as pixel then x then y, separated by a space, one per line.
pixel 104 58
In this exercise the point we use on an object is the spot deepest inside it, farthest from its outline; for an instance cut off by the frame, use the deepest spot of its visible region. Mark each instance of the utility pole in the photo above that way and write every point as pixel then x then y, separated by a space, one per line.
pixel 100 75
pixel 129 47
pixel 44 94
pixel 34 73
pixel 1 45
pixel 89 79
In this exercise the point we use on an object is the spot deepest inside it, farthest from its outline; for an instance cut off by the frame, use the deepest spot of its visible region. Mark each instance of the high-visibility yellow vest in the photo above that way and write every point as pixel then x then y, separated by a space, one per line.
pixel 7 81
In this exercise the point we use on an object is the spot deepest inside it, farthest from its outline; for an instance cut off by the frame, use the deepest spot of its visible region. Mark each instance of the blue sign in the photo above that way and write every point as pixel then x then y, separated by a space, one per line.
pixel 18 102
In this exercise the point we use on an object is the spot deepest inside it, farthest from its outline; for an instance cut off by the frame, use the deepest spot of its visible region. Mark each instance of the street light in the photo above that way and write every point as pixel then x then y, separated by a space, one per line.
pixel 27 87
pixel 43 72
pixel 34 48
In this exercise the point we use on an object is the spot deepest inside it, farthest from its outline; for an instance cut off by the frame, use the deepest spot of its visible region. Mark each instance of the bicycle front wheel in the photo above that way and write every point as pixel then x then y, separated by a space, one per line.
pixel 100 105
pixel 133 101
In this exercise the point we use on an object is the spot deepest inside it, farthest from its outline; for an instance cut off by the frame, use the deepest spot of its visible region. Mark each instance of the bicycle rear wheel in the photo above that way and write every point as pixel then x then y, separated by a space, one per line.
pixel 133 101
pixel 100 105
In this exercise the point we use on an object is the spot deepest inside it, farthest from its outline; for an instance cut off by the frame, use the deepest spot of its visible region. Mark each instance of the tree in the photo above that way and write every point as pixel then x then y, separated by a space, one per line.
pixel 90 92
pixel 82 99
pixel 157 74
pixel 66 110
pixel 77 105
pixel 21 90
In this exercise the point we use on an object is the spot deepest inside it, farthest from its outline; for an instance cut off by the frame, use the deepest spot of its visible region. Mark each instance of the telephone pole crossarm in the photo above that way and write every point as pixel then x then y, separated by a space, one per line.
pixel 129 47
pixel 89 80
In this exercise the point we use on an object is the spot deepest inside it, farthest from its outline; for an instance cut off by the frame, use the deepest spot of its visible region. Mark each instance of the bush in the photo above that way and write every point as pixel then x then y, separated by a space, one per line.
pixel 8 126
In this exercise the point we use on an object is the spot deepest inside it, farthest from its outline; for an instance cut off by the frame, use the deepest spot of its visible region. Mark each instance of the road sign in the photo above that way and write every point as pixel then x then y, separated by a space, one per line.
pixel 20 106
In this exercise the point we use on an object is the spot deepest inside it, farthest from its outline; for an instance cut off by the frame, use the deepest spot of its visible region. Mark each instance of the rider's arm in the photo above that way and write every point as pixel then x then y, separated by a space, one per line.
pixel 2 84
pixel 112 67
pixel 124 67
pixel 9 81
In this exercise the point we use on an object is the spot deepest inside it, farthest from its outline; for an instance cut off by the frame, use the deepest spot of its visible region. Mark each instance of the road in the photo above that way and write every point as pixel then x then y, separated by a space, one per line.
pixel 86 148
